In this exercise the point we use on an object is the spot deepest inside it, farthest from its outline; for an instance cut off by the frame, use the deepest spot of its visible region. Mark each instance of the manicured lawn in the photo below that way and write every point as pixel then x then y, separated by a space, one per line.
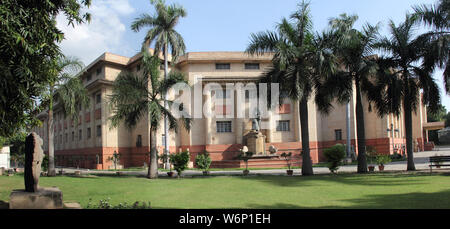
pixel 323 191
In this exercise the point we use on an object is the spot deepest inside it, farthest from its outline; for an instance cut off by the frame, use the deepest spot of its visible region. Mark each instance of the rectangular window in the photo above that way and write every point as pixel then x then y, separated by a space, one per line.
pixel 223 126
pixel 80 135
pixel 251 66
pixel 283 125
pixel 163 139
pixel 89 77
pixel 73 136
pixel 99 130
pixel 139 141
pixel 88 133
pixel 338 134
pixel 60 139
pixel 223 66
pixel 138 67
pixel 99 71
pixel 67 137
pixel 98 98
pixel 223 94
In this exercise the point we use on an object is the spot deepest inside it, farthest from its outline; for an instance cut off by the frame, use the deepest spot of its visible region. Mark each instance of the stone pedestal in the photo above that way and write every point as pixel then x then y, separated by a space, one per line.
pixel 44 198
pixel 256 143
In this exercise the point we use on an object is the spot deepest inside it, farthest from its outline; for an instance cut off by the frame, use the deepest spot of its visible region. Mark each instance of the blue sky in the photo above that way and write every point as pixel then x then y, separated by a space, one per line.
pixel 218 25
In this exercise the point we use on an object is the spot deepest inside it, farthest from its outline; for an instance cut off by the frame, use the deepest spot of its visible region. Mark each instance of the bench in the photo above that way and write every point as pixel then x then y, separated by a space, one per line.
pixel 436 161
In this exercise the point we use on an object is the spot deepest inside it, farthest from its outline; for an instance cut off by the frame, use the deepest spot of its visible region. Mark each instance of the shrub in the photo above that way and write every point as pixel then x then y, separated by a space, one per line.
pixel 180 161
pixel 396 156
pixel 383 159
pixel 203 161
pixel 371 154
pixel 287 157
pixel 104 204
pixel 334 156
pixel 44 164
pixel 245 156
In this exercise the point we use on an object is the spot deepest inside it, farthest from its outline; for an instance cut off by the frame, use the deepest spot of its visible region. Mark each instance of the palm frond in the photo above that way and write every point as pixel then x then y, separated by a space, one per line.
pixel 263 42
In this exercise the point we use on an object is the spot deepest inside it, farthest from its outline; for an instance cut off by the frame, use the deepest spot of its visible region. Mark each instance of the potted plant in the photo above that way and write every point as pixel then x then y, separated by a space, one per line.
pixel 288 157
pixel 203 161
pixel 115 159
pixel 180 161
pixel 164 158
pixel 245 156
pixel 382 160
pixel 370 155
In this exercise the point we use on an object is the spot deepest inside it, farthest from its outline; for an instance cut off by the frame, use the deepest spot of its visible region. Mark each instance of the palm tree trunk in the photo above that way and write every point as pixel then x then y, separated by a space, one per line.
pixel 166 121
pixel 361 132
pixel 153 168
pixel 307 169
pixel 409 137
pixel 51 151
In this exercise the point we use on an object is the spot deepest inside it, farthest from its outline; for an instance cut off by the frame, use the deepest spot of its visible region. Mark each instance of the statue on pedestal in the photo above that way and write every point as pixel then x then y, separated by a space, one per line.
pixel 256 122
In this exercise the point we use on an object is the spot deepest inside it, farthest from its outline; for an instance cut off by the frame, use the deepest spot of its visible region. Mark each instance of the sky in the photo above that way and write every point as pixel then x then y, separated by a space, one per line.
pixel 218 25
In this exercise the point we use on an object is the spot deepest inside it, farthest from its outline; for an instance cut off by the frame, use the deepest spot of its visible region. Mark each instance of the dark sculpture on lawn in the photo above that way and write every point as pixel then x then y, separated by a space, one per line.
pixel 34 156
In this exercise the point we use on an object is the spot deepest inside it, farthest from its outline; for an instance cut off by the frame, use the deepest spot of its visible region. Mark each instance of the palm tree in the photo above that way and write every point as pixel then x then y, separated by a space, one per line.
pixel 298 60
pixel 438 18
pixel 162 32
pixel 354 49
pixel 403 72
pixel 137 96
pixel 66 90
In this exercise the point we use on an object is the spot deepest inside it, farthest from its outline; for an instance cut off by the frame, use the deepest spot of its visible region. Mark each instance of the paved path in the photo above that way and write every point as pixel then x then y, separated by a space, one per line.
pixel 420 159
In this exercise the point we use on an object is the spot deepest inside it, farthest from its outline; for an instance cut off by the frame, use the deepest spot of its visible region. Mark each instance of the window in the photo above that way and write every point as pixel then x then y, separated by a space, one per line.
pixel 223 94
pixel 60 139
pixel 251 66
pixel 338 134
pixel 223 126
pixel 88 133
pixel 67 137
pixel 98 98
pixel 139 141
pixel 163 138
pixel 99 130
pixel 223 66
pixel 73 136
pixel 89 77
pixel 283 125
pixel 80 135
pixel 138 67
pixel 99 70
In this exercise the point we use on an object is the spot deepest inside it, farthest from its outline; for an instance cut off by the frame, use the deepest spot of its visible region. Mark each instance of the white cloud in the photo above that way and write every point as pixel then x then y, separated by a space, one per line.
pixel 104 33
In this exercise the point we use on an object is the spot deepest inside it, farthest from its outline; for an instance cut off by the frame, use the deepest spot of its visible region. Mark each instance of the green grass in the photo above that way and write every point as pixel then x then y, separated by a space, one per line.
pixel 382 190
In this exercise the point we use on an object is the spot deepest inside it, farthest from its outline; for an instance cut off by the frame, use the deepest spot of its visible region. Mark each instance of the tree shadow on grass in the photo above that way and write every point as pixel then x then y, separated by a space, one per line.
pixel 385 179
pixel 435 200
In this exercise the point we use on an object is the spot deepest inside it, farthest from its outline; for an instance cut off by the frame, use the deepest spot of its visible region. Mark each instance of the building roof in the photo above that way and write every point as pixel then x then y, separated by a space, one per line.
pixel 200 57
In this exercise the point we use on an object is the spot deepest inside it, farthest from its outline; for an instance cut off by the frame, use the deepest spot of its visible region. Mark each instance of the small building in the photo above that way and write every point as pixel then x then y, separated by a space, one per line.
pixel 5 157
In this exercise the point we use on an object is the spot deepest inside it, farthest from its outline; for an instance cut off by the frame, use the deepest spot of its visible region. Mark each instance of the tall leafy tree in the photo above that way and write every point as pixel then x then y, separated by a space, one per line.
pixel 354 49
pixel 138 96
pixel 438 18
pixel 66 90
pixel 162 32
pixel 299 58
pixel 403 72
pixel 28 44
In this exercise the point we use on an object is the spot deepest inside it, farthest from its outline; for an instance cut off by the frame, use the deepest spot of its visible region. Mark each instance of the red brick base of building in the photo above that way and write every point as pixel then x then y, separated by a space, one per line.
pixel 223 156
